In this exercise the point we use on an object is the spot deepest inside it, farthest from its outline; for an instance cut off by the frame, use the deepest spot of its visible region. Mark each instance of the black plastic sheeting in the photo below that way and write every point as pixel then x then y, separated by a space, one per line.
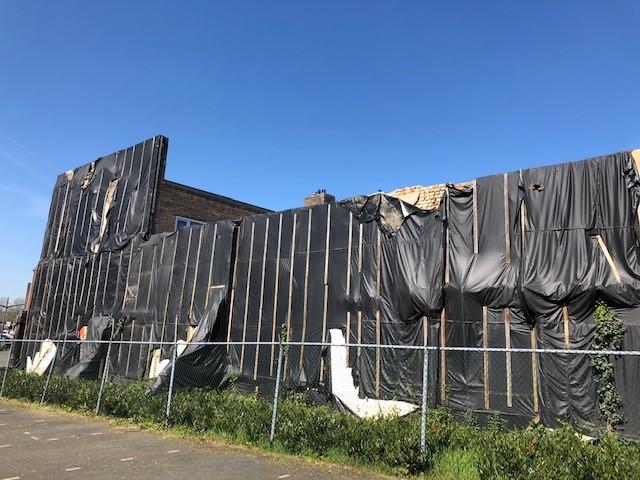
pixel 314 269
pixel 514 260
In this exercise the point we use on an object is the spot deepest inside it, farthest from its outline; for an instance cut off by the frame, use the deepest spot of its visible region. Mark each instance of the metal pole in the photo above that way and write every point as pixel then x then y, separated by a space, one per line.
pixel 423 424
pixel 173 371
pixel 51 367
pixel 275 396
pixel 105 372
pixel 4 377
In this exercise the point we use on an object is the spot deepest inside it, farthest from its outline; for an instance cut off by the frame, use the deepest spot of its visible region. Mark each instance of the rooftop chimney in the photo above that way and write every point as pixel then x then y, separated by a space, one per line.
pixel 320 197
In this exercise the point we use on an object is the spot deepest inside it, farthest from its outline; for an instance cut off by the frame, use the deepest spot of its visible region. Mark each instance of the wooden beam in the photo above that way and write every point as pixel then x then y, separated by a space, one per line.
pixel 305 297
pixel 475 217
pixel 608 257
pixel 443 358
pixel 211 263
pixel 325 307
pixel 274 318
pixel 507 233
pixel 534 369
pixel 195 275
pixel 264 266
pixel 507 341
pixel 246 298
pixel 293 251
pixel 378 288
pixel 184 277
pixel 360 278
pixel 348 283
pixel 233 285
pixel 565 318
pixel 485 354
pixel 447 261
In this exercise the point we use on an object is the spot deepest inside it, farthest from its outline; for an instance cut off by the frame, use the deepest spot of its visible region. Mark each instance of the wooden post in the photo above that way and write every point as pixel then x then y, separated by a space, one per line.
pixel 246 298
pixel 184 280
pixel 133 327
pixel 507 341
pixel 55 294
pixel 274 318
pixel 195 276
pixel 443 358
pixel 475 217
pixel 447 262
pixel 95 294
pixel 360 278
pixel 565 318
pixel 211 262
pixel 523 221
pixel 507 233
pixel 264 266
pixel 378 352
pixel 233 287
pixel 326 288
pixel 534 369
pixel 485 354
pixel 348 288
pixel 306 290
pixel 293 251
pixel 166 304
pixel 608 257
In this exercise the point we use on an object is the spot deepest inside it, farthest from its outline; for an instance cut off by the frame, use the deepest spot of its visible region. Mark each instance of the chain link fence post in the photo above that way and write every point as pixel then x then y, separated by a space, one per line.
pixel 7 366
pixel 105 373
pixel 171 377
pixel 272 434
pixel 425 386
pixel 51 367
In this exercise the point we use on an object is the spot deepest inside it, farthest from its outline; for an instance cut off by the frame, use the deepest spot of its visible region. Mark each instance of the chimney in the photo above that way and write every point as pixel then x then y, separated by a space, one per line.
pixel 320 197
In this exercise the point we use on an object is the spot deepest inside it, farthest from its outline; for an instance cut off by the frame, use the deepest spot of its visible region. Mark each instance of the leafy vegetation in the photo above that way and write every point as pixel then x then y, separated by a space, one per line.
pixel 455 449
pixel 607 336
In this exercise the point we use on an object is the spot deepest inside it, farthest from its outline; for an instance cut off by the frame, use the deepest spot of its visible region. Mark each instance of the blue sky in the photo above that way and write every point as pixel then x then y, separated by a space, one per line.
pixel 269 101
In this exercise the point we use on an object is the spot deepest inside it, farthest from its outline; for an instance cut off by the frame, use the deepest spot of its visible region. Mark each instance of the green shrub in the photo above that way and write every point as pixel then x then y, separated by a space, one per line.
pixel 608 334
pixel 455 450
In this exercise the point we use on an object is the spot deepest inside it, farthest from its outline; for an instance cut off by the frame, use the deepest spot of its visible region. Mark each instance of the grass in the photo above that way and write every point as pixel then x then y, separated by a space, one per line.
pixel 391 445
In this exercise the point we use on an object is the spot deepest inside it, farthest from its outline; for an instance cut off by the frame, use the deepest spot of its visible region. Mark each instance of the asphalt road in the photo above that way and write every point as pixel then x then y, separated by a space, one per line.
pixel 37 444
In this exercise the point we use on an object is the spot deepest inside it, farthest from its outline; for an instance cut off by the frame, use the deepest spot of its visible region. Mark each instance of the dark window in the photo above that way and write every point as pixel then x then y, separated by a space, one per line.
pixel 182 222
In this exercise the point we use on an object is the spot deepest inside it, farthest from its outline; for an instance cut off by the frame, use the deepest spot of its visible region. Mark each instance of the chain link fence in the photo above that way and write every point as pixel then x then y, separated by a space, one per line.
pixel 367 380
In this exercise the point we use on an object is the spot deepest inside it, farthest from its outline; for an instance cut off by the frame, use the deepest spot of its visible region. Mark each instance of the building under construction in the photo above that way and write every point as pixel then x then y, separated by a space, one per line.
pixel 512 261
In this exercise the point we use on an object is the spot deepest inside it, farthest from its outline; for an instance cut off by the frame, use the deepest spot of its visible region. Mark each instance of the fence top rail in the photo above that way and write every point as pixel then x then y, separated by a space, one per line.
pixel 349 345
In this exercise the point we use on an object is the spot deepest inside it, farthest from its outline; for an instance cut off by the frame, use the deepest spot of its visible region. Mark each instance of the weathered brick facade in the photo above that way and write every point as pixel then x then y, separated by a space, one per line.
pixel 174 199
pixel 426 198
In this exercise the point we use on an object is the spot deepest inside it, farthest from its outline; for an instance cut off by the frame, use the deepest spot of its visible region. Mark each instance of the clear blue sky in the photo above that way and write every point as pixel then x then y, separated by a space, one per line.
pixel 266 101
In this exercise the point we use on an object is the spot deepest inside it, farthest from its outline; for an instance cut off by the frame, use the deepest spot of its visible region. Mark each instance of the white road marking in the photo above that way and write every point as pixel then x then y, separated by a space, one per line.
pixel 96 433
pixel 2 424
pixel 3 411
pixel 284 476
pixel 11 478
pixel 27 433
pixel 128 459
pixel 34 438
pixel 5 446
pixel 72 469
pixel 40 421
pixel 173 451
pixel 52 439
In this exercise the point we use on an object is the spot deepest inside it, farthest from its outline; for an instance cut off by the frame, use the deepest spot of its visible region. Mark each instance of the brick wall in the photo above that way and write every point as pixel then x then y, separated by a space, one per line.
pixel 174 199
pixel 426 198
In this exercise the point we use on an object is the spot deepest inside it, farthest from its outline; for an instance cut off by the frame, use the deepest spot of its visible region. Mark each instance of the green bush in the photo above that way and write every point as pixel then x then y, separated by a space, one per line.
pixel 455 450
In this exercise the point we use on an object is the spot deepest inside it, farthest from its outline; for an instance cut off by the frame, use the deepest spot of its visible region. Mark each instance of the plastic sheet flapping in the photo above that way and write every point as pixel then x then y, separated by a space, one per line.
pixel 514 260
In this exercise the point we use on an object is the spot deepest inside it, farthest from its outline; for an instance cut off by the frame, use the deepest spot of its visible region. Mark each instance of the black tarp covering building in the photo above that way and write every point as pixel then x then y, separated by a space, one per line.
pixel 515 260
